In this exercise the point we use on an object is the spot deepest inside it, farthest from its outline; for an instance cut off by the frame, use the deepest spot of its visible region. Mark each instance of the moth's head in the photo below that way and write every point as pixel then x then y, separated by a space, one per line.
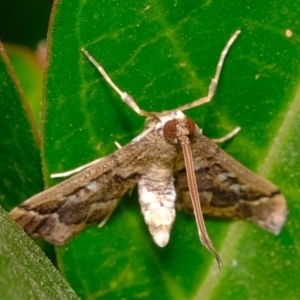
pixel 174 124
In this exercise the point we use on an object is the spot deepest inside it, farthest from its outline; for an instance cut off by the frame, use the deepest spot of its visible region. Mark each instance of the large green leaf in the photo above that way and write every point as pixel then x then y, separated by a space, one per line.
pixel 164 54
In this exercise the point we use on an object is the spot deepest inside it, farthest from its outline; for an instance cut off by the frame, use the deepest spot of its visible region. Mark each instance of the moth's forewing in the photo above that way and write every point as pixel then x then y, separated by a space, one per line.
pixel 60 212
pixel 227 189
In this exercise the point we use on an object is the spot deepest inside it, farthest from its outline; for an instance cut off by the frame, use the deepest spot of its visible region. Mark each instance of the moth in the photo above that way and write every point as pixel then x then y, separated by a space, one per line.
pixel 173 164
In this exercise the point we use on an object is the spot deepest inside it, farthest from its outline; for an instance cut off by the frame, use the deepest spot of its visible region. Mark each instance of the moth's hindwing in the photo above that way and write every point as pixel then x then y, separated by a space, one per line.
pixel 228 189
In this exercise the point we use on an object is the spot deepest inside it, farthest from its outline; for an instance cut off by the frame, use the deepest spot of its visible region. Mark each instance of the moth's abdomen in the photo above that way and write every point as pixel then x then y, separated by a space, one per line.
pixel 157 199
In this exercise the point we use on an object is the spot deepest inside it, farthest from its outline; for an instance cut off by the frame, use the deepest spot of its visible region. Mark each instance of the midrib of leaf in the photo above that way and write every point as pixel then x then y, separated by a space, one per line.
pixel 236 229
pixel 229 245
pixel 178 50
pixel 175 290
pixel 292 111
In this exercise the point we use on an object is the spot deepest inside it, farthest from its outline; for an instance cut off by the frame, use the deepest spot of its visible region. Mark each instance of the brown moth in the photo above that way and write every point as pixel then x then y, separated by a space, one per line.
pixel 170 161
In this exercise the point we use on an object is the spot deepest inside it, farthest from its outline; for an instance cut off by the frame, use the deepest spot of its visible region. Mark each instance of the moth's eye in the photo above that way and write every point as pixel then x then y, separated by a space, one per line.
pixel 170 129
pixel 191 126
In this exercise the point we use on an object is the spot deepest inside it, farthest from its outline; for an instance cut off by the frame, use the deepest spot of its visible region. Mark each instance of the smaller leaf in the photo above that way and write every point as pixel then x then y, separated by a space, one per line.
pixel 25 272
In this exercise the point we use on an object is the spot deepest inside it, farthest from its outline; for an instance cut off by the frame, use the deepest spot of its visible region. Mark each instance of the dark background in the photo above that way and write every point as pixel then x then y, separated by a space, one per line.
pixel 24 22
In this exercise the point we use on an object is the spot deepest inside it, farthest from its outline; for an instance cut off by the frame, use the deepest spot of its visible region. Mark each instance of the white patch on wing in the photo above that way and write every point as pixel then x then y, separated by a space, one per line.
pixel 93 186
pixel 224 176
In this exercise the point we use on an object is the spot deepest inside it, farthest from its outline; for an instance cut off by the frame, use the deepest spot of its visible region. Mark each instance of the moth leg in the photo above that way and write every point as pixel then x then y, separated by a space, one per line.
pixel 79 169
pixel 112 209
pixel 228 136
pixel 118 145
pixel 215 80
pixel 124 96
pixel 143 134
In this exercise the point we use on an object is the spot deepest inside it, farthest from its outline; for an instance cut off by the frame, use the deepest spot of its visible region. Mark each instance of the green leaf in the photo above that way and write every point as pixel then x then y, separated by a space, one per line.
pixel 25 272
pixel 20 170
pixel 164 54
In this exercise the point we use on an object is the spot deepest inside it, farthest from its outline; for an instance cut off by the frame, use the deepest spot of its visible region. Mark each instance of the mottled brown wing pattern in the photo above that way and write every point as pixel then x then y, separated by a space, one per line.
pixel 229 190
pixel 59 213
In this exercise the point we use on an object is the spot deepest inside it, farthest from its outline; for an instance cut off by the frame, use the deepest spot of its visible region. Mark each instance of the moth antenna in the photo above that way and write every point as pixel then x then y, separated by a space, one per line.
pixel 124 96
pixel 214 82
